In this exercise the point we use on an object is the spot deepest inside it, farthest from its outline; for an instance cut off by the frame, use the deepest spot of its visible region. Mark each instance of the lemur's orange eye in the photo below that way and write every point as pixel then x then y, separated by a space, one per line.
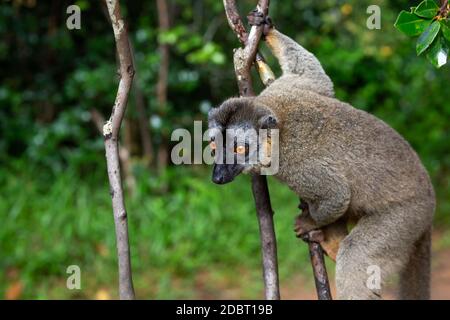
pixel 240 149
pixel 212 145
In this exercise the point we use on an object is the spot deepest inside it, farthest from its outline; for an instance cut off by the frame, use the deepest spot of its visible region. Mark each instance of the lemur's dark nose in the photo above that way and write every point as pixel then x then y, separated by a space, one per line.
pixel 218 177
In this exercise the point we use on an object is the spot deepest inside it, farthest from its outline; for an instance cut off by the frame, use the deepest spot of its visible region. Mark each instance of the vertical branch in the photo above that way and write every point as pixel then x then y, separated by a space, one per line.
pixel 163 74
pixel 144 128
pixel 319 271
pixel 267 235
pixel 243 60
pixel 111 133
pixel 161 86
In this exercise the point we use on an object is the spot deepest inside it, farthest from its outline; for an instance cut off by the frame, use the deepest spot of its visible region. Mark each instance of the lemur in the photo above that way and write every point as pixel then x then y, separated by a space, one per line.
pixel 347 165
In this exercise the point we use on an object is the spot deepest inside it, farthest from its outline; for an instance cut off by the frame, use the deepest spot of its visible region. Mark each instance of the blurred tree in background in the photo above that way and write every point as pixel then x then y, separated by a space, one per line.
pixel 57 84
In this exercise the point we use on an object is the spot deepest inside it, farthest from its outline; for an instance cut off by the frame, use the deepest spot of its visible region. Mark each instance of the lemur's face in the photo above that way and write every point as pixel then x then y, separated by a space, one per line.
pixel 236 139
pixel 235 150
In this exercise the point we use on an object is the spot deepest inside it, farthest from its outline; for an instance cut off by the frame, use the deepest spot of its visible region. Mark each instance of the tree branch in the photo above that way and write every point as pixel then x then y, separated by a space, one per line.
pixel 243 60
pixel 111 132
pixel 144 128
pixel 163 76
pixel 444 9
pixel 164 24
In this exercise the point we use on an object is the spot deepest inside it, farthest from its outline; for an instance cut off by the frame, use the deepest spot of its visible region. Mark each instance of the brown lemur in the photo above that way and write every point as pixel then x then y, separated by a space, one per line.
pixel 346 165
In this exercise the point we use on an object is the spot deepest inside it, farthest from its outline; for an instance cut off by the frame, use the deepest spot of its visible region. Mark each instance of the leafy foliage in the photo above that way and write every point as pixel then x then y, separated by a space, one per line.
pixel 431 23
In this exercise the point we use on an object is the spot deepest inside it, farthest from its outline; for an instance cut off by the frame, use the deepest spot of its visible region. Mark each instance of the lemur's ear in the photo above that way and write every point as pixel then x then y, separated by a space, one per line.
pixel 212 118
pixel 268 122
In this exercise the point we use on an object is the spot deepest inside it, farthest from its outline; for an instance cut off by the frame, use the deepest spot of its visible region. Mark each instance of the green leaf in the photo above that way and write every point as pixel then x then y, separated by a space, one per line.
pixel 438 52
pixel 445 26
pixel 427 37
pixel 171 36
pixel 427 9
pixel 410 24
pixel 210 52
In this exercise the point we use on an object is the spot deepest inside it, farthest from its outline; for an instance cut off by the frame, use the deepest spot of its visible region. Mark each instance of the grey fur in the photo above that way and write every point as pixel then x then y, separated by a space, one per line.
pixel 297 62
pixel 347 165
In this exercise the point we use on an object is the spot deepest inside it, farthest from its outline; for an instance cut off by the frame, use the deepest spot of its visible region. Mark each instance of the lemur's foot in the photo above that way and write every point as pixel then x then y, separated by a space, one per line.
pixel 257 18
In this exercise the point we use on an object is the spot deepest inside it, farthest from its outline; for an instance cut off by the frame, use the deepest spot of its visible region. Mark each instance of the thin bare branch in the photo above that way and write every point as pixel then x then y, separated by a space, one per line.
pixel 444 9
pixel 163 76
pixel 163 73
pixel 111 133
pixel 319 271
pixel 243 60
pixel 235 21
pixel 144 128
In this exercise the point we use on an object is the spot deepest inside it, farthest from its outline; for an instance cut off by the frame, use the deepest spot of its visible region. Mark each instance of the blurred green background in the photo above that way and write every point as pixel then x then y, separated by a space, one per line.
pixel 189 238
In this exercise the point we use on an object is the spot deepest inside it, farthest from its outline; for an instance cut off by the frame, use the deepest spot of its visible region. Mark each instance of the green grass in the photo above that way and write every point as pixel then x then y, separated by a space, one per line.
pixel 189 237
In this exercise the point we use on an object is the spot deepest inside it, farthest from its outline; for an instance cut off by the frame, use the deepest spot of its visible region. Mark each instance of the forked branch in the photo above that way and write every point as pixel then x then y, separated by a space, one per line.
pixel 243 60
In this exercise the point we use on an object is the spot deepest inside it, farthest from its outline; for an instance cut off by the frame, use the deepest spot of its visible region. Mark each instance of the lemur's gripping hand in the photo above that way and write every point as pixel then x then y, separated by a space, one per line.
pixel 256 18
pixel 328 236
pixel 304 224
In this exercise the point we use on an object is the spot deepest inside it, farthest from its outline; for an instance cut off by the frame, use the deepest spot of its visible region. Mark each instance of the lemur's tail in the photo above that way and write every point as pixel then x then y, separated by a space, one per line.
pixel 415 277
pixel 296 60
